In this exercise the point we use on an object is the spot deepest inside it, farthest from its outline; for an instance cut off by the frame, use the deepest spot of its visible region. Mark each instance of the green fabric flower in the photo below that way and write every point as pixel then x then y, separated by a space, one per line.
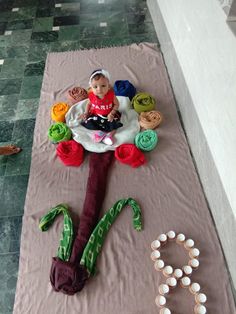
pixel 143 102
pixel 59 132
pixel 146 140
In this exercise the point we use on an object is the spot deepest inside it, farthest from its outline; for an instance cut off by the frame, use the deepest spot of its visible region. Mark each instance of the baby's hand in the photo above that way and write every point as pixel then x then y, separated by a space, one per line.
pixel 110 117
pixel 83 116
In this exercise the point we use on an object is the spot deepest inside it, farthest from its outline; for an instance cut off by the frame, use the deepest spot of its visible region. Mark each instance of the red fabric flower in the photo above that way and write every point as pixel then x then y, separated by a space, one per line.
pixel 129 154
pixel 70 153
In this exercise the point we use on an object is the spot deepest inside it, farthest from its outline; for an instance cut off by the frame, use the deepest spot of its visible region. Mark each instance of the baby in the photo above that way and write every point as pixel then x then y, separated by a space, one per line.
pixel 101 112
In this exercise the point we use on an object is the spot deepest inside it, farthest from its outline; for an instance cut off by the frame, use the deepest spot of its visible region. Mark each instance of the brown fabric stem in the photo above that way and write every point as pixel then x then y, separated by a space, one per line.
pixel 96 187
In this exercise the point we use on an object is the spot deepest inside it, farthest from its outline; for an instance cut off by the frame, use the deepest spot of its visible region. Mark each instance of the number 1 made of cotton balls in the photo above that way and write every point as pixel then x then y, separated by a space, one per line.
pixel 146 140
pixel 143 102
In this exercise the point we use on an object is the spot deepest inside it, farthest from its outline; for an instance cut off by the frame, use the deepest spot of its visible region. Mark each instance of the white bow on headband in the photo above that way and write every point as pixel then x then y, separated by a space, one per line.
pixel 103 72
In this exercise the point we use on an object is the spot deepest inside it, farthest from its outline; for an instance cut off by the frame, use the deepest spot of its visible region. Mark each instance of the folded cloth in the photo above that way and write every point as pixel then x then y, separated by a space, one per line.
pixel 66 238
pixel 97 238
pixel 146 140
pixel 70 153
pixel 150 119
pixel 124 88
pixel 58 111
pixel 129 154
pixel 59 132
pixel 77 94
pixel 143 102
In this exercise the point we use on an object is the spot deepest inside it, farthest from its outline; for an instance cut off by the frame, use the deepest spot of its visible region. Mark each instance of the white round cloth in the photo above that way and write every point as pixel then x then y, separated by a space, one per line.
pixel 125 134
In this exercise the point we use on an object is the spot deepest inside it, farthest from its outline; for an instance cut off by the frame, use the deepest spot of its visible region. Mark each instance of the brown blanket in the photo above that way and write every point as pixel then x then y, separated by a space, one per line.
pixel 167 189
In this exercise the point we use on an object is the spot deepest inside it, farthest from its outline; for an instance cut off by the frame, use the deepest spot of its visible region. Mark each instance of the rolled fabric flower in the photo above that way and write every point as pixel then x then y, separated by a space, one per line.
pixel 58 111
pixel 129 154
pixel 70 153
pixel 59 132
pixel 143 102
pixel 77 94
pixel 124 88
pixel 150 119
pixel 146 140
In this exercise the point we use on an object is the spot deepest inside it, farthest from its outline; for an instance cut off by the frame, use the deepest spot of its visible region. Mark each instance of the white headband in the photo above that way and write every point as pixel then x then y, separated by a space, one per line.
pixel 100 71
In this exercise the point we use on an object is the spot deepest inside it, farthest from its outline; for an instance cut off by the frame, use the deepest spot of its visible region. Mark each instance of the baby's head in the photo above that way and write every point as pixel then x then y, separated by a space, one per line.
pixel 99 82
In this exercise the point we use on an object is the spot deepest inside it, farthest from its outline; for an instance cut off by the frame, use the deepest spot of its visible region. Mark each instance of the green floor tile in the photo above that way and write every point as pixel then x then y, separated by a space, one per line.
pixel 23 132
pixel 27 109
pixel 10 86
pixel 66 1
pixel 91 6
pixel 69 33
pixel 1 180
pixel 31 87
pixel 8 105
pixel 43 24
pixel 13 195
pixel 6 129
pixel 4 16
pixel 38 51
pixel 111 18
pixel 148 37
pixel 13 68
pixel 44 37
pixel 141 28
pixel 138 18
pixel 3 163
pixel 20 24
pixel 24 3
pixel 19 37
pixel 34 68
pixel 18 51
pixel 19 163
pixel 68 9
pixel 10 231
pixel 4 41
pixel 116 25
pixel 65 46
pixel 8 274
pixel 3 52
pixel 24 13
pixel 104 42
pixel 45 10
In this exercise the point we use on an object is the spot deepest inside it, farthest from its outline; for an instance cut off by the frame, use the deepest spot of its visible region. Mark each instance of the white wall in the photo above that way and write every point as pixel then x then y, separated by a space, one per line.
pixel 226 4
pixel 200 54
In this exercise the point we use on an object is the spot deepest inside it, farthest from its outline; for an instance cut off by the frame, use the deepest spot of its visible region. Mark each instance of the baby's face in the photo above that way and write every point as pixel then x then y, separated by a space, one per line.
pixel 100 87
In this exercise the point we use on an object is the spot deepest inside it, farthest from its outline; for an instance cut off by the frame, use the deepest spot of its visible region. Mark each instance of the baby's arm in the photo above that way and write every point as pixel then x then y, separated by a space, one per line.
pixel 114 109
pixel 85 115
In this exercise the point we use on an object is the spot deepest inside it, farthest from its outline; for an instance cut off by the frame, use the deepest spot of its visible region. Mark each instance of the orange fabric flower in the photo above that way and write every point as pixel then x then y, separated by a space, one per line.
pixel 58 111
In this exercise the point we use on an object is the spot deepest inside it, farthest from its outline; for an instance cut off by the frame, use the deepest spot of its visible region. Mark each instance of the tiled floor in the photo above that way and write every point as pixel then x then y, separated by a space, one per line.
pixel 28 31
